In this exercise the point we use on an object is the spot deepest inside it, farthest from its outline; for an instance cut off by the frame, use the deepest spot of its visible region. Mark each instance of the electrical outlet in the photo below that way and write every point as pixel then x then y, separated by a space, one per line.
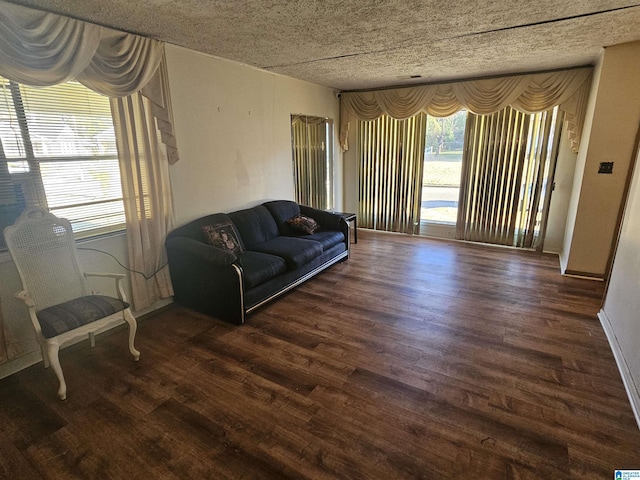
pixel 605 167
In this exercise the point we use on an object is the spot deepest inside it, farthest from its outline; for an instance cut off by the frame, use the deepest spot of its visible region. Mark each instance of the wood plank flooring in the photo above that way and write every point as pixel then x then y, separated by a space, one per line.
pixel 415 359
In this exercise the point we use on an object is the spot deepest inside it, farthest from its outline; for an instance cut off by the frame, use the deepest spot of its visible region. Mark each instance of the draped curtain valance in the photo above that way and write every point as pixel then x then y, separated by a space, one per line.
pixel 42 49
pixel 530 93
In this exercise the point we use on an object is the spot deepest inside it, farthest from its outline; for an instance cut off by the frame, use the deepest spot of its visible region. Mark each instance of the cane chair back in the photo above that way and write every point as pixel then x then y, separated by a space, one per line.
pixel 44 251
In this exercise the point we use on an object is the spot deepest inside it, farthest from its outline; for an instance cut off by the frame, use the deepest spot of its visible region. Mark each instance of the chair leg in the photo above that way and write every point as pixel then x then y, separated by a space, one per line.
pixel 45 357
pixel 53 349
pixel 133 327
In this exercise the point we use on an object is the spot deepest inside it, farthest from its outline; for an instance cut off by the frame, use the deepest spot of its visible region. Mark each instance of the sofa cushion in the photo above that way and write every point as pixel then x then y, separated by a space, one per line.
pixel 283 210
pixel 259 267
pixel 295 251
pixel 303 224
pixel 326 238
pixel 223 236
pixel 256 225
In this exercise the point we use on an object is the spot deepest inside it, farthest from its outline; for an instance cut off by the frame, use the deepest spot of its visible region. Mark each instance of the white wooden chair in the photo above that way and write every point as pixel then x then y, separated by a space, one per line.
pixel 55 289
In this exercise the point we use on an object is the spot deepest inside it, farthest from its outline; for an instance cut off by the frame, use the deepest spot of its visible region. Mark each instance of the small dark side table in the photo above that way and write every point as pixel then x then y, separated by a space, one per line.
pixel 351 217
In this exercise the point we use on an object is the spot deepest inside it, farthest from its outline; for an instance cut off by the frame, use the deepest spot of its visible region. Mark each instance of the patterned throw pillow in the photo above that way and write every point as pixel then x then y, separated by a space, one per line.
pixel 223 236
pixel 304 224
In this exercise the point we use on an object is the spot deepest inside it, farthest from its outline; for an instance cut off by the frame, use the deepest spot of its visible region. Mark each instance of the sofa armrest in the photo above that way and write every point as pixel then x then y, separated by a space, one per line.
pixel 206 278
pixel 198 251
pixel 326 220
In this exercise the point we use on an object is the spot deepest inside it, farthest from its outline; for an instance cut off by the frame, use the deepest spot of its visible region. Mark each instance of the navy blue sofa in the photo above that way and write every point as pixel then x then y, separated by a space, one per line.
pixel 274 258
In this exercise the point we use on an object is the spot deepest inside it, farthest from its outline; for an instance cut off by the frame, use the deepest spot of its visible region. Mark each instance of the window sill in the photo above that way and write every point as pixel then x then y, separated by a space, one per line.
pixel 5 257
pixel 437 222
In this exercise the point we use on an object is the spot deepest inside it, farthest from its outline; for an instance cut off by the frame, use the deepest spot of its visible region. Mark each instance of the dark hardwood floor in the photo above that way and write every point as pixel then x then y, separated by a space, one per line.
pixel 416 358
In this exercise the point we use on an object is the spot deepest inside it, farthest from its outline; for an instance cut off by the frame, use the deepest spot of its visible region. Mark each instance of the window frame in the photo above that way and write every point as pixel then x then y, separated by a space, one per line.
pixel 308 188
pixel 29 185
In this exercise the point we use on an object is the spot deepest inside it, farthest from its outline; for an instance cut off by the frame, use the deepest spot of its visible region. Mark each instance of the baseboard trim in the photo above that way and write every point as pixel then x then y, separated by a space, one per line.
pixel 632 389
pixel 583 275
pixel 20 363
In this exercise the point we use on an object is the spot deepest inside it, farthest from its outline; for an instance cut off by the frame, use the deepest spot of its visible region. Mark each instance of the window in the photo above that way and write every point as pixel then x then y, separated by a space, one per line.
pixel 58 150
pixel 482 178
pixel 312 146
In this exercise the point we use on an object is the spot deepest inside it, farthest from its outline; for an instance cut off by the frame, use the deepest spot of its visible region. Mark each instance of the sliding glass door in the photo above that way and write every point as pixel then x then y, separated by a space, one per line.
pixel 481 178
pixel 442 174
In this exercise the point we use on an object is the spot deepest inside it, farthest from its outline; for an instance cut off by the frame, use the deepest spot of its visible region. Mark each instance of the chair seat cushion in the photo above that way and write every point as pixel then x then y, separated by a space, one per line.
pixel 75 313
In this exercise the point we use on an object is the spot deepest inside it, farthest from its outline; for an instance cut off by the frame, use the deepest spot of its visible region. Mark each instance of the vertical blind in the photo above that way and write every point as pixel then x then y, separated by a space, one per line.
pixel 391 164
pixel 312 166
pixel 57 150
pixel 508 160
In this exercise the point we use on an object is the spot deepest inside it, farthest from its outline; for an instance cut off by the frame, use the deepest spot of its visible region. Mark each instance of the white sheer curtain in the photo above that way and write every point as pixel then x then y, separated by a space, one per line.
pixel 39 49
pixel 530 93
pixel 147 197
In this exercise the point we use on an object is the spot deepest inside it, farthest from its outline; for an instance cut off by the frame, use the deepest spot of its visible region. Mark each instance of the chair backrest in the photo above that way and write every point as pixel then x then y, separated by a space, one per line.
pixel 44 251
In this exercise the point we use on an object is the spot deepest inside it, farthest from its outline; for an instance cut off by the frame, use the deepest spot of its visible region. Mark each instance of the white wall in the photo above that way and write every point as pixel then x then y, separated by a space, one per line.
pixel 350 160
pixel 619 315
pixel 234 133
pixel 574 198
pixel 609 135
pixel 558 208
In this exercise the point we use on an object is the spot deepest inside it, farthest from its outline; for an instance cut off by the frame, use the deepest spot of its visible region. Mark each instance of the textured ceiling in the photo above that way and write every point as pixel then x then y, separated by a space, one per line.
pixel 361 44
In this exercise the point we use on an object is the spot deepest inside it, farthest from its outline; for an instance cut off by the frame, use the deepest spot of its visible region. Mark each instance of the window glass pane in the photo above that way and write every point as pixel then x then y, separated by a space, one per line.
pixel 311 139
pixel 68 120
pixel 60 152
pixel 7 189
pixel 442 168
pixel 88 192
pixel 12 143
